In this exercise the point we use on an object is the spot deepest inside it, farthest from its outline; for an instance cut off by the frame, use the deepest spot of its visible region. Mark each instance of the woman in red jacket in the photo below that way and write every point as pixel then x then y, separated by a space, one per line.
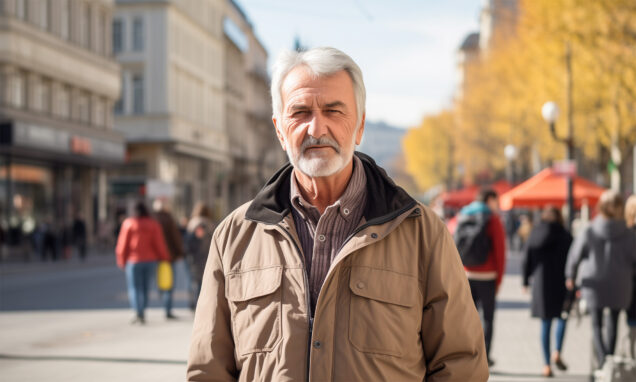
pixel 139 247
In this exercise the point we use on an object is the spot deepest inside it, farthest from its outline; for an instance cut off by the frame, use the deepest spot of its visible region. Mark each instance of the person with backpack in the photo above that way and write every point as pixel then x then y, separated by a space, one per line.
pixel 481 242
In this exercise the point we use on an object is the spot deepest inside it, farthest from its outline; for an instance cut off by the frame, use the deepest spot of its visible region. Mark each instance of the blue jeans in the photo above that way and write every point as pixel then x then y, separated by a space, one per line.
pixel 546 326
pixel 138 277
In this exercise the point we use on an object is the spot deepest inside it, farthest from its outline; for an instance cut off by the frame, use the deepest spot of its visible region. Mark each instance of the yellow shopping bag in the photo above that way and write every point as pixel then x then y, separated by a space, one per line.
pixel 164 275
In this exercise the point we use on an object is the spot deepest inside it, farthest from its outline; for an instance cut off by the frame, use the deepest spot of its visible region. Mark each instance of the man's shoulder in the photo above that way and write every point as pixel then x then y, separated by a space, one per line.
pixel 431 222
pixel 234 220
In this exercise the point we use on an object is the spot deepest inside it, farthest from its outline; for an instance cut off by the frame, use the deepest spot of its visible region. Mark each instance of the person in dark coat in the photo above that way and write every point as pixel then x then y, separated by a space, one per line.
pixel 175 248
pixel 630 220
pixel 197 244
pixel 546 253
pixel 603 255
pixel 79 235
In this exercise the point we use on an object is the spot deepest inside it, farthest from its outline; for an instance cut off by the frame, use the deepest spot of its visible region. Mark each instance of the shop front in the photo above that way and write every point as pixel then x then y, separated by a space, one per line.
pixel 50 177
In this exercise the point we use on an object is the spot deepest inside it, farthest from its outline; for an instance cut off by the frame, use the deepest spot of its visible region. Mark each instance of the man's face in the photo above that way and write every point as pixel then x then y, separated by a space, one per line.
pixel 493 204
pixel 317 126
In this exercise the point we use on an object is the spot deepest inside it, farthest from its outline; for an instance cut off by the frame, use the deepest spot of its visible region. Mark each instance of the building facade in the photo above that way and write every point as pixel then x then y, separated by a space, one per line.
pixel 255 153
pixel 58 84
pixel 185 104
pixel 171 108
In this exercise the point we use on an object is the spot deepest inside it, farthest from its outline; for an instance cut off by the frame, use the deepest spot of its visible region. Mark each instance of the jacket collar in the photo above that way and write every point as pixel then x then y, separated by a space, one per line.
pixel 384 198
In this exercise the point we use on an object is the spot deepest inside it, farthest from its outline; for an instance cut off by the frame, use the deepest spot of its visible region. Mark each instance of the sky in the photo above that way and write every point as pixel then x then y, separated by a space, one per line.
pixel 405 48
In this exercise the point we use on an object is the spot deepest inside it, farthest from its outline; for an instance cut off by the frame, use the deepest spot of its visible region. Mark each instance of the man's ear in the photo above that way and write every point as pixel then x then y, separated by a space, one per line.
pixel 360 131
pixel 279 134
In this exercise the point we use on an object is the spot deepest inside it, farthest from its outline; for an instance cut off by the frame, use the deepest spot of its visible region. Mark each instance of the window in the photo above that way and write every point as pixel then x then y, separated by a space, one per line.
pixel 138 93
pixel 44 14
pixel 119 105
pixel 64 102
pixel 98 112
pixel 45 96
pixel 20 10
pixel 64 19
pixel 87 26
pixel 138 34
pixel 83 106
pixel 118 36
pixel 17 90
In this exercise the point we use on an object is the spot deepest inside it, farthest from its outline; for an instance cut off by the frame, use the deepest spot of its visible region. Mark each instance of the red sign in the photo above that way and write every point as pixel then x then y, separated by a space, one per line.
pixel 565 167
pixel 81 145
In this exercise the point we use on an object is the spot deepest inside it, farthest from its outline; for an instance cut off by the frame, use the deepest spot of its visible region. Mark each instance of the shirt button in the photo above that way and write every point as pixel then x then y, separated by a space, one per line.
pixel 360 285
pixel 346 211
pixel 321 237
pixel 317 344
pixel 374 235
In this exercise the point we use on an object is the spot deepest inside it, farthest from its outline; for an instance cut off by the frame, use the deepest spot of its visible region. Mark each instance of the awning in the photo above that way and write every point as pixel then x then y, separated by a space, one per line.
pixel 548 188
pixel 464 196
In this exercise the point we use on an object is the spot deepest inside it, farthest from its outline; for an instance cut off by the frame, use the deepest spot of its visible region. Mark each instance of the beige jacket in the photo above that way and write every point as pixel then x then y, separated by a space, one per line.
pixel 395 305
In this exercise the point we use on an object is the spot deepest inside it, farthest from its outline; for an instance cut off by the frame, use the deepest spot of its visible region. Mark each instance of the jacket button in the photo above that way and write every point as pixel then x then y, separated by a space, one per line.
pixel 360 285
pixel 374 235
pixel 317 344
pixel 321 237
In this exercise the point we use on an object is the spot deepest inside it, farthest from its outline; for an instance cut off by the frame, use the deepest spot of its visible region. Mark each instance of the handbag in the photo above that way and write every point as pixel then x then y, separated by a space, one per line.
pixel 165 278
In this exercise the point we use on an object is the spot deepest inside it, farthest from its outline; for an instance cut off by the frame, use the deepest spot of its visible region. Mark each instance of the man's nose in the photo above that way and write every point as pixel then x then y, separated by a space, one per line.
pixel 317 125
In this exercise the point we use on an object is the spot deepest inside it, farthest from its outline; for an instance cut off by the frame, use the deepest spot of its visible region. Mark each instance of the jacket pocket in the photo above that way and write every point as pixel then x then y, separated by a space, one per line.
pixel 255 302
pixel 383 318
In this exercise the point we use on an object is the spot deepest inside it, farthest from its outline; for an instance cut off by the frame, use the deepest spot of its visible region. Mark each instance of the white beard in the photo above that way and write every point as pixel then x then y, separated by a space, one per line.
pixel 316 166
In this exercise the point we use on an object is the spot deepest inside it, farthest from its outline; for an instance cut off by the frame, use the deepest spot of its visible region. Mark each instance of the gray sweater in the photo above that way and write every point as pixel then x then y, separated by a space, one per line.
pixel 604 255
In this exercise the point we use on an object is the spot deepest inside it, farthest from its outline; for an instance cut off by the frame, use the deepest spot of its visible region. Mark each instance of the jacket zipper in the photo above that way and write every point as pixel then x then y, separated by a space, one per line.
pixel 307 297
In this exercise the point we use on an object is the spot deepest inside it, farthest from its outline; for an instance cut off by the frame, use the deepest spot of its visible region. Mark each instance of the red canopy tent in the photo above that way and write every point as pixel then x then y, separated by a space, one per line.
pixel 462 197
pixel 549 188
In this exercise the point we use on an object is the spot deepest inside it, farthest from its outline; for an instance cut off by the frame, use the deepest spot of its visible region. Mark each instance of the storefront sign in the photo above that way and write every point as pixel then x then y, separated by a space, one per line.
pixel 159 189
pixel 61 141
pixel 81 145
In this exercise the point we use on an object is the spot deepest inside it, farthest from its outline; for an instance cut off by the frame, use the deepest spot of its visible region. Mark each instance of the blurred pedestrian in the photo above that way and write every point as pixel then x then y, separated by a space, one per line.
pixel 603 253
pixel 630 220
pixel 197 244
pixel 79 235
pixel 544 262
pixel 46 240
pixel 479 222
pixel 140 246
pixel 524 229
pixel 175 248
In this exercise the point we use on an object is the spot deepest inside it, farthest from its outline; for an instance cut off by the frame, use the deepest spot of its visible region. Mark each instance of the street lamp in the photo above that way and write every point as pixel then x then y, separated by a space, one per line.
pixel 510 152
pixel 550 113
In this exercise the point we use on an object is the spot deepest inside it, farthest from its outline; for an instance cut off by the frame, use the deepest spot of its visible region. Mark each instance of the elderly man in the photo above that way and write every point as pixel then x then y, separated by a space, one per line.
pixel 332 272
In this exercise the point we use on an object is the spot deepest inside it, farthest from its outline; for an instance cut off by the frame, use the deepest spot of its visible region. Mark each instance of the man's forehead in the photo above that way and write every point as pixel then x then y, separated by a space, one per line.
pixel 301 80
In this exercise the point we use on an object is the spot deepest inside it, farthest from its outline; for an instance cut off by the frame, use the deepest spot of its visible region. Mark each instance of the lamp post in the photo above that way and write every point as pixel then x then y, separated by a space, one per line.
pixel 510 152
pixel 550 113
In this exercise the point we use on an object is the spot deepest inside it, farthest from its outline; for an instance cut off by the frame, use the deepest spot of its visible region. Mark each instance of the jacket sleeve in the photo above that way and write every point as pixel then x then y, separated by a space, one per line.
pixel 452 336
pixel 498 247
pixel 212 346
pixel 123 243
pixel 577 252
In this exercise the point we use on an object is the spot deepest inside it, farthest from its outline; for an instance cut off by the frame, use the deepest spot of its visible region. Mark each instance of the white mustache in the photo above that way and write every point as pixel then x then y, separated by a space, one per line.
pixel 322 141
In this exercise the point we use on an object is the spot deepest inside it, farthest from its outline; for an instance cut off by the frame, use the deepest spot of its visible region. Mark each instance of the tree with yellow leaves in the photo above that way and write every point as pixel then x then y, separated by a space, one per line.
pixel 523 68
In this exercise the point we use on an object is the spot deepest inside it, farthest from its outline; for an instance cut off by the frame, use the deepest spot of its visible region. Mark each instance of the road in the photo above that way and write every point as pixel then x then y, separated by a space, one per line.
pixel 70 322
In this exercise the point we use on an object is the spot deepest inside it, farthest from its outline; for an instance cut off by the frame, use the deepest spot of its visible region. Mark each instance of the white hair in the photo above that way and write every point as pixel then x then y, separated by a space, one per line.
pixel 321 62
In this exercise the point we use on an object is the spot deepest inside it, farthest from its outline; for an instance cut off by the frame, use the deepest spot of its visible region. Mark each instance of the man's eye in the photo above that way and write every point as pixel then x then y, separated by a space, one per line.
pixel 333 111
pixel 299 113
